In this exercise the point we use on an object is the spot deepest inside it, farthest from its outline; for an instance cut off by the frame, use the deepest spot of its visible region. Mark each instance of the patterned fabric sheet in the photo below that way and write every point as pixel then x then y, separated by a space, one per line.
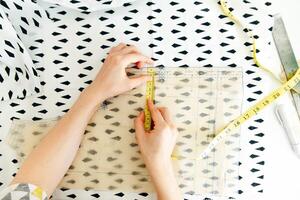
pixel 18 76
pixel 66 45
pixel 202 102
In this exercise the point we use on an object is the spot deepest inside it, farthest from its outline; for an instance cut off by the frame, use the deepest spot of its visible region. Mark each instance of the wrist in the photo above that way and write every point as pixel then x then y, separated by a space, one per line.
pixel 89 99
pixel 160 166
pixel 164 180
pixel 93 95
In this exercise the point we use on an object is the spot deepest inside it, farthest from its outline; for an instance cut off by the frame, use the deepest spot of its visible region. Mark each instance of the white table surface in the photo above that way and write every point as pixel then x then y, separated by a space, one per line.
pixel 282 175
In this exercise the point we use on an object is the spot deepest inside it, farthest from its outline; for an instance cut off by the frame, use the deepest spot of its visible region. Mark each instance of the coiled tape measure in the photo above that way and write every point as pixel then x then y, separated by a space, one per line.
pixel 252 111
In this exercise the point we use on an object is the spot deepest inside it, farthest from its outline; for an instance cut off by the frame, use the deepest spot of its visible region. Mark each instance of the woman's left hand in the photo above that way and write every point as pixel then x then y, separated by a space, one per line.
pixel 112 79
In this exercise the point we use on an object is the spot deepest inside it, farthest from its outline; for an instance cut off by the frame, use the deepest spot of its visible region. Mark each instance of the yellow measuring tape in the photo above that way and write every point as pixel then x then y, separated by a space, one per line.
pixel 250 34
pixel 252 111
pixel 149 95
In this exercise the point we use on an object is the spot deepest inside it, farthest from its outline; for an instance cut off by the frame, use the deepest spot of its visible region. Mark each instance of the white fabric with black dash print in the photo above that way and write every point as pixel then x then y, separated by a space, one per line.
pixel 90 6
pixel 18 76
pixel 67 46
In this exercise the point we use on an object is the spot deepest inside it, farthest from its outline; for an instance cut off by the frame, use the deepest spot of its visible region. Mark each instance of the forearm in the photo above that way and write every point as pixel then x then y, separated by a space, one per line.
pixel 164 181
pixel 48 162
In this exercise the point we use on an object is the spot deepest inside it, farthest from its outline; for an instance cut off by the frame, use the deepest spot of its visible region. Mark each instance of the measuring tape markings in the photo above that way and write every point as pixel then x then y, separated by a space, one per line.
pixel 249 32
pixel 255 109
pixel 149 95
pixel 252 111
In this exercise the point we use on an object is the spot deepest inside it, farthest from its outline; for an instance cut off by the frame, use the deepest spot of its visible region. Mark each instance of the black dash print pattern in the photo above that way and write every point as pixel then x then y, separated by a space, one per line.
pixel 51 50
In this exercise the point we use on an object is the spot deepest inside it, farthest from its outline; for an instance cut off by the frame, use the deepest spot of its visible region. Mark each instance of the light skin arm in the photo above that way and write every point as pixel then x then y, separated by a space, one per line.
pixel 156 147
pixel 49 161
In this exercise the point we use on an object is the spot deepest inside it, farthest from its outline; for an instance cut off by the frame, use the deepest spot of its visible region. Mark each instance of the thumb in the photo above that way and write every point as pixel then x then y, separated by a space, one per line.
pixel 137 81
pixel 139 125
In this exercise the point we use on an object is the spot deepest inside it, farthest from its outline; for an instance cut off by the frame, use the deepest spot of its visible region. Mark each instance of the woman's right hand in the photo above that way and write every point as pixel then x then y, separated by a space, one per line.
pixel 156 147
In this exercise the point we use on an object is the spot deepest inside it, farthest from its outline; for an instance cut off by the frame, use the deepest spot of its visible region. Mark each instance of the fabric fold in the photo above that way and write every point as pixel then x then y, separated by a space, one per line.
pixel 90 6
pixel 18 75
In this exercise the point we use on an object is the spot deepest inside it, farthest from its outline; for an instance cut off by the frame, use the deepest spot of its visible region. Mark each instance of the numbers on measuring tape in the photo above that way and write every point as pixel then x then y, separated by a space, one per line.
pixel 266 102
pixel 149 95
pixel 276 95
pixel 246 116
pixel 285 87
pixel 236 124
pixel 252 111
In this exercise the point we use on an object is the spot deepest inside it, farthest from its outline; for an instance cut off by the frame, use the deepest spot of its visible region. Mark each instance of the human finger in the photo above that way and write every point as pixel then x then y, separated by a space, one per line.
pixel 138 80
pixel 118 47
pixel 136 57
pixel 130 49
pixel 139 125
pixel 155 114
